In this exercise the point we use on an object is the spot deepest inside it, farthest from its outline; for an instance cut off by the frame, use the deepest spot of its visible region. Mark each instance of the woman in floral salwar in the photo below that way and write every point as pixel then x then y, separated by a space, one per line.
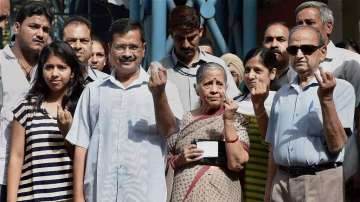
pixel 216 120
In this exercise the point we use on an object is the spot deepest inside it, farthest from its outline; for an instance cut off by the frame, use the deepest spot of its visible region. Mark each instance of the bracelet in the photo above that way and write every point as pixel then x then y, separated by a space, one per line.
pixel 232 141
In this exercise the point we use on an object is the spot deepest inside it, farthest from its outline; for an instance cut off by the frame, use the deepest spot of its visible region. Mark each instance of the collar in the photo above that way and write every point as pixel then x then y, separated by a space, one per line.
pixel 142 79
pixel 295 84
pixel 182 68
pixel 9 54
pixel 201 58
pixel 331 51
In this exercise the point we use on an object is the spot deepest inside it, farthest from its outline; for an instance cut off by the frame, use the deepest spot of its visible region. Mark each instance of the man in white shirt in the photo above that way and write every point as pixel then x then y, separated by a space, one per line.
pixel 342 63
pixel 186 57
pixel 120 126
pixel 18 66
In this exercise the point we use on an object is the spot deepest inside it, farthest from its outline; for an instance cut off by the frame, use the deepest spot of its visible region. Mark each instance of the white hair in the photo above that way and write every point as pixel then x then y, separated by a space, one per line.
pixel 326 14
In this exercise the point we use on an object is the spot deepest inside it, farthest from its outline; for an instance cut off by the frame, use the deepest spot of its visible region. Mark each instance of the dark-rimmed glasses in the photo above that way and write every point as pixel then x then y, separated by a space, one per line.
pixel 306 49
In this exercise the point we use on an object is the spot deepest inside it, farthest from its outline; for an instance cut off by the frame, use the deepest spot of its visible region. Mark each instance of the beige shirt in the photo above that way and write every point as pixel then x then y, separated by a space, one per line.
pixel 185 78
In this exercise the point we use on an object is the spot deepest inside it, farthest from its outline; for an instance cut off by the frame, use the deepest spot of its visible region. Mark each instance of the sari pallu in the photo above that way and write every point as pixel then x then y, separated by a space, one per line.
pixel 217 183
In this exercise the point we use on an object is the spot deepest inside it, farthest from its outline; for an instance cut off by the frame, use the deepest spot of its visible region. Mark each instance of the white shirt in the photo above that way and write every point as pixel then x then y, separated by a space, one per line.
pixel 125 154
pixel 344 64
pixel 15 87
pixel 184 78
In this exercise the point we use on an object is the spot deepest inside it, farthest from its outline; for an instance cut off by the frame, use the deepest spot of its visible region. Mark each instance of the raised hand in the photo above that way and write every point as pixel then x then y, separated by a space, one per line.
pixel 158 78
pixel 230 109
pixel 327 84
pixel 64 119
pixel 259 93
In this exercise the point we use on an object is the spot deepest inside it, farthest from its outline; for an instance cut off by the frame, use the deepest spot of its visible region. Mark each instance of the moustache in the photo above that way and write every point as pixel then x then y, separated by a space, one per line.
pixel 187 49
pixel 276 51
pixel 38 40
pixel 127 59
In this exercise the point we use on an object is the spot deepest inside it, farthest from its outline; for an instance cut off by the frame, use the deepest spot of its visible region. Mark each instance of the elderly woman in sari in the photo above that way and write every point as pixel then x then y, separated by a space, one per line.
pixel 196 179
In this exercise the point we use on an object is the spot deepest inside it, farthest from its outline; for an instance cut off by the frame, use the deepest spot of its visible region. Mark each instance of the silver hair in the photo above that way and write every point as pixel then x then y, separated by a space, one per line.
pixel 299 27
pixel 326 14
pixel 208 66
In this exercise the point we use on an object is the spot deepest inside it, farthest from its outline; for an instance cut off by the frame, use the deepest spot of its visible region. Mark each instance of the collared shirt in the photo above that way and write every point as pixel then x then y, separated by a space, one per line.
pixel 285 78
pixel 93 74
pixel 344 64
pixel 125 154
pixel 184 78
pixel 15 87
pixel 295 128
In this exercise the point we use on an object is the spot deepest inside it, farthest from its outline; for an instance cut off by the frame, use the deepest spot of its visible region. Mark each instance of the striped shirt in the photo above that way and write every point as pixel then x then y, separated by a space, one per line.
pixel 47 168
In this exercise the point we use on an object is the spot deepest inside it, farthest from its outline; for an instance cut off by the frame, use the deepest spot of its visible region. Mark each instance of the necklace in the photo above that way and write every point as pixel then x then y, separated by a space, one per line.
pixel 26 69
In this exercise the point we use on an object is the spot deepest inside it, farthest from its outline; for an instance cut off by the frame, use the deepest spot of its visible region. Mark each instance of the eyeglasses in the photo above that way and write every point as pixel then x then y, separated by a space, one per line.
pixel 305 49
pixel 3 17
pixel 123 47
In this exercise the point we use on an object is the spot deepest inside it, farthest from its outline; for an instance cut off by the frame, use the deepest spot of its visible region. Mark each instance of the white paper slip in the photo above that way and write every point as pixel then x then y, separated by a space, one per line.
pixel 210 148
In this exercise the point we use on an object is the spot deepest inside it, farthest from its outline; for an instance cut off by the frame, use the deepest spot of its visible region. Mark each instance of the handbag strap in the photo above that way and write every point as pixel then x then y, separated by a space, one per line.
pixel 197 177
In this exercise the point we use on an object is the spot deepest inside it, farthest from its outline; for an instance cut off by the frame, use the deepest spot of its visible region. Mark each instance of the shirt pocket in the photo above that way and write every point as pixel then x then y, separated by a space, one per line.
pixel 142 115
pixel 315 122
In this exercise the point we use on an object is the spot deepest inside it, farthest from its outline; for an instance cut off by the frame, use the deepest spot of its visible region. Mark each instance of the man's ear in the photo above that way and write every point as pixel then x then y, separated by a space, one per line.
pixel 144 49
pixel 16 27
pixel 201 31
pixel 323 51
pixel 329 26
pixel 273 73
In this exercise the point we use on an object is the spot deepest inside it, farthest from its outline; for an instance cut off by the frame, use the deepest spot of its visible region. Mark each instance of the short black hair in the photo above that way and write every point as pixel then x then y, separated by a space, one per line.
pixel 34 8
pixel 77 19
pixel 184 18
pixel 123 26
pixel 283 23
pixel 267 56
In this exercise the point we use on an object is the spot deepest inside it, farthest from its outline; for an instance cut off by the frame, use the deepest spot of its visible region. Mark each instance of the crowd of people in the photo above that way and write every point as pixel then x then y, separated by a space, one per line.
pixel 82 120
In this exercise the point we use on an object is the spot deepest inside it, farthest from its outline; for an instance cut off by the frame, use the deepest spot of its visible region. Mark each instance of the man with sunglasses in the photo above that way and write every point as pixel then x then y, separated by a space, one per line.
pixel 308 125
pixel 342 63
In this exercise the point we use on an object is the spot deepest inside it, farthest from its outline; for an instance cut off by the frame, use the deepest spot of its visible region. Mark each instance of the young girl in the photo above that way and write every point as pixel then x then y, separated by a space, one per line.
pixel 40 167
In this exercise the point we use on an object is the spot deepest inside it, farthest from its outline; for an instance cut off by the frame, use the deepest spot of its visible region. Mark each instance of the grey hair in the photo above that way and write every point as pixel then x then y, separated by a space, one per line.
pixel 208 66
pixel 299 27
pixel 326 14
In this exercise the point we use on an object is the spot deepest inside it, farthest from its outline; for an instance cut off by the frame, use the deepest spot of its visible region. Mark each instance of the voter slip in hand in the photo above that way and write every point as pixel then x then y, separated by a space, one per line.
pixel 214 152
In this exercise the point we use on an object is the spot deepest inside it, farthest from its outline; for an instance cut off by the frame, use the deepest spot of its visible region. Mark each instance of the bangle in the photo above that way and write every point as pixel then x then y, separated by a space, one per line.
pixel 232 141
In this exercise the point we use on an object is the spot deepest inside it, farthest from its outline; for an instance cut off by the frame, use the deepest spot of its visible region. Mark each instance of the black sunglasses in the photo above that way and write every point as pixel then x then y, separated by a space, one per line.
pixel 305 49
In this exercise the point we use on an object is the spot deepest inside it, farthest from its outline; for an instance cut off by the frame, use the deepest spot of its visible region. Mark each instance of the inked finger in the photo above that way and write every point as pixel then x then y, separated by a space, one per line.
pixel 60 113
pixel 162 76
pixel 322 73
pixel 67 115
pixel 318 78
